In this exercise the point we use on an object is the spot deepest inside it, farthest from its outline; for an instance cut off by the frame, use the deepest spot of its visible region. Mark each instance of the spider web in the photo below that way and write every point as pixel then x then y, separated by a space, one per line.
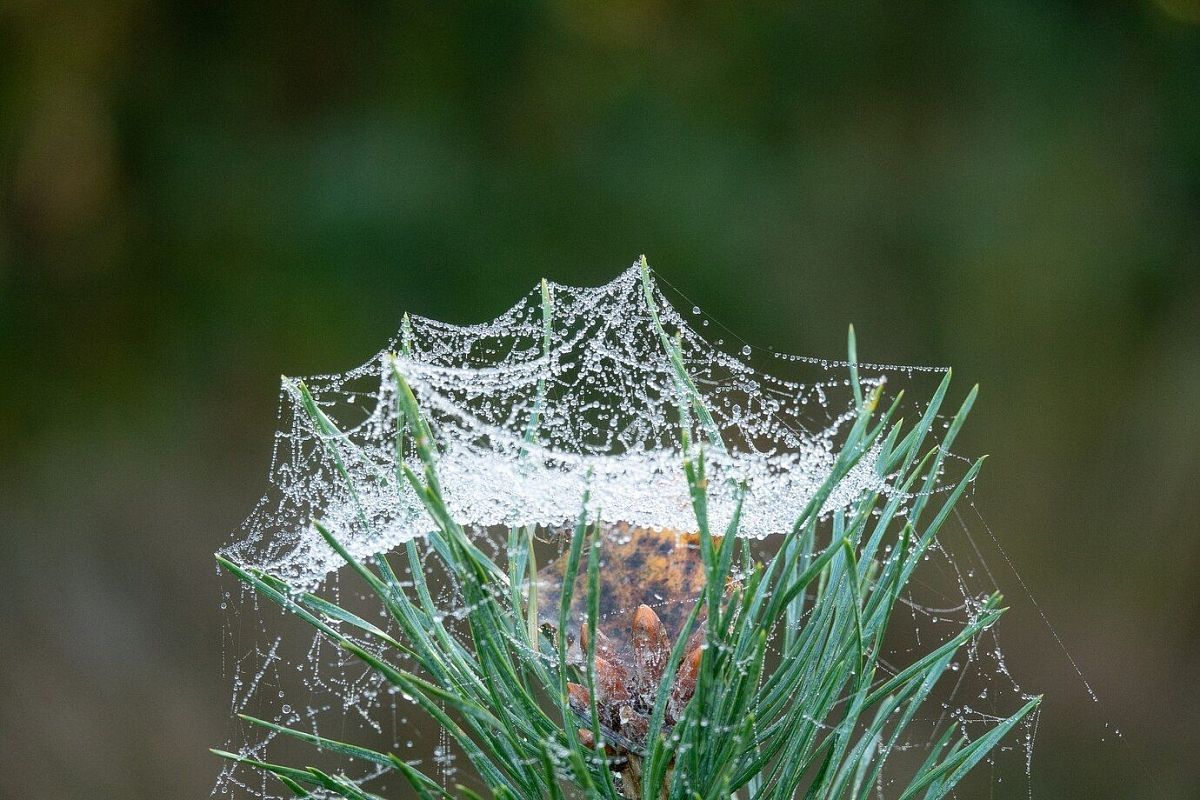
pixel 571 389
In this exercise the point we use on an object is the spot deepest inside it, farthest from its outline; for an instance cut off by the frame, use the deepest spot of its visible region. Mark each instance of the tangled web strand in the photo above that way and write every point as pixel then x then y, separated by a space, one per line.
pixel 570 388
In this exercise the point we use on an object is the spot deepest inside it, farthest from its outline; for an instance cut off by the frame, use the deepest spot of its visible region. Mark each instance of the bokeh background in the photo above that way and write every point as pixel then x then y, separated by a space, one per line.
pixel 197 197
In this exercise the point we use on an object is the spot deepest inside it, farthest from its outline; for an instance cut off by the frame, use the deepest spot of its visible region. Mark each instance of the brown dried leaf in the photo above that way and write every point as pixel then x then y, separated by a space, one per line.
pixel 650 647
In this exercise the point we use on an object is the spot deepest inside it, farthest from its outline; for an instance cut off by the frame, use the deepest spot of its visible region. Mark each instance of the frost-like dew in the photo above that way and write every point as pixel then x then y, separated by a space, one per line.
pixel 604 398
pixel 571 390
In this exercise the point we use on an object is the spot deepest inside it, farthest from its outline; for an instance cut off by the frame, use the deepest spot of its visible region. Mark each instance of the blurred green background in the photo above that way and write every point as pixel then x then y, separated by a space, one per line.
pixel 196 197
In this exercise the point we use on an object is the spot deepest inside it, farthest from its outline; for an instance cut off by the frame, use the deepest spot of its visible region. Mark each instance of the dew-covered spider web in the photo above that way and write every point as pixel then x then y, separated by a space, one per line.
pixel 571 390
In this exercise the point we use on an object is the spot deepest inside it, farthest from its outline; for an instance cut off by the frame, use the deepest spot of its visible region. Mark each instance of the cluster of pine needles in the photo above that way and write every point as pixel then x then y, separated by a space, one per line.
pixel 820 719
